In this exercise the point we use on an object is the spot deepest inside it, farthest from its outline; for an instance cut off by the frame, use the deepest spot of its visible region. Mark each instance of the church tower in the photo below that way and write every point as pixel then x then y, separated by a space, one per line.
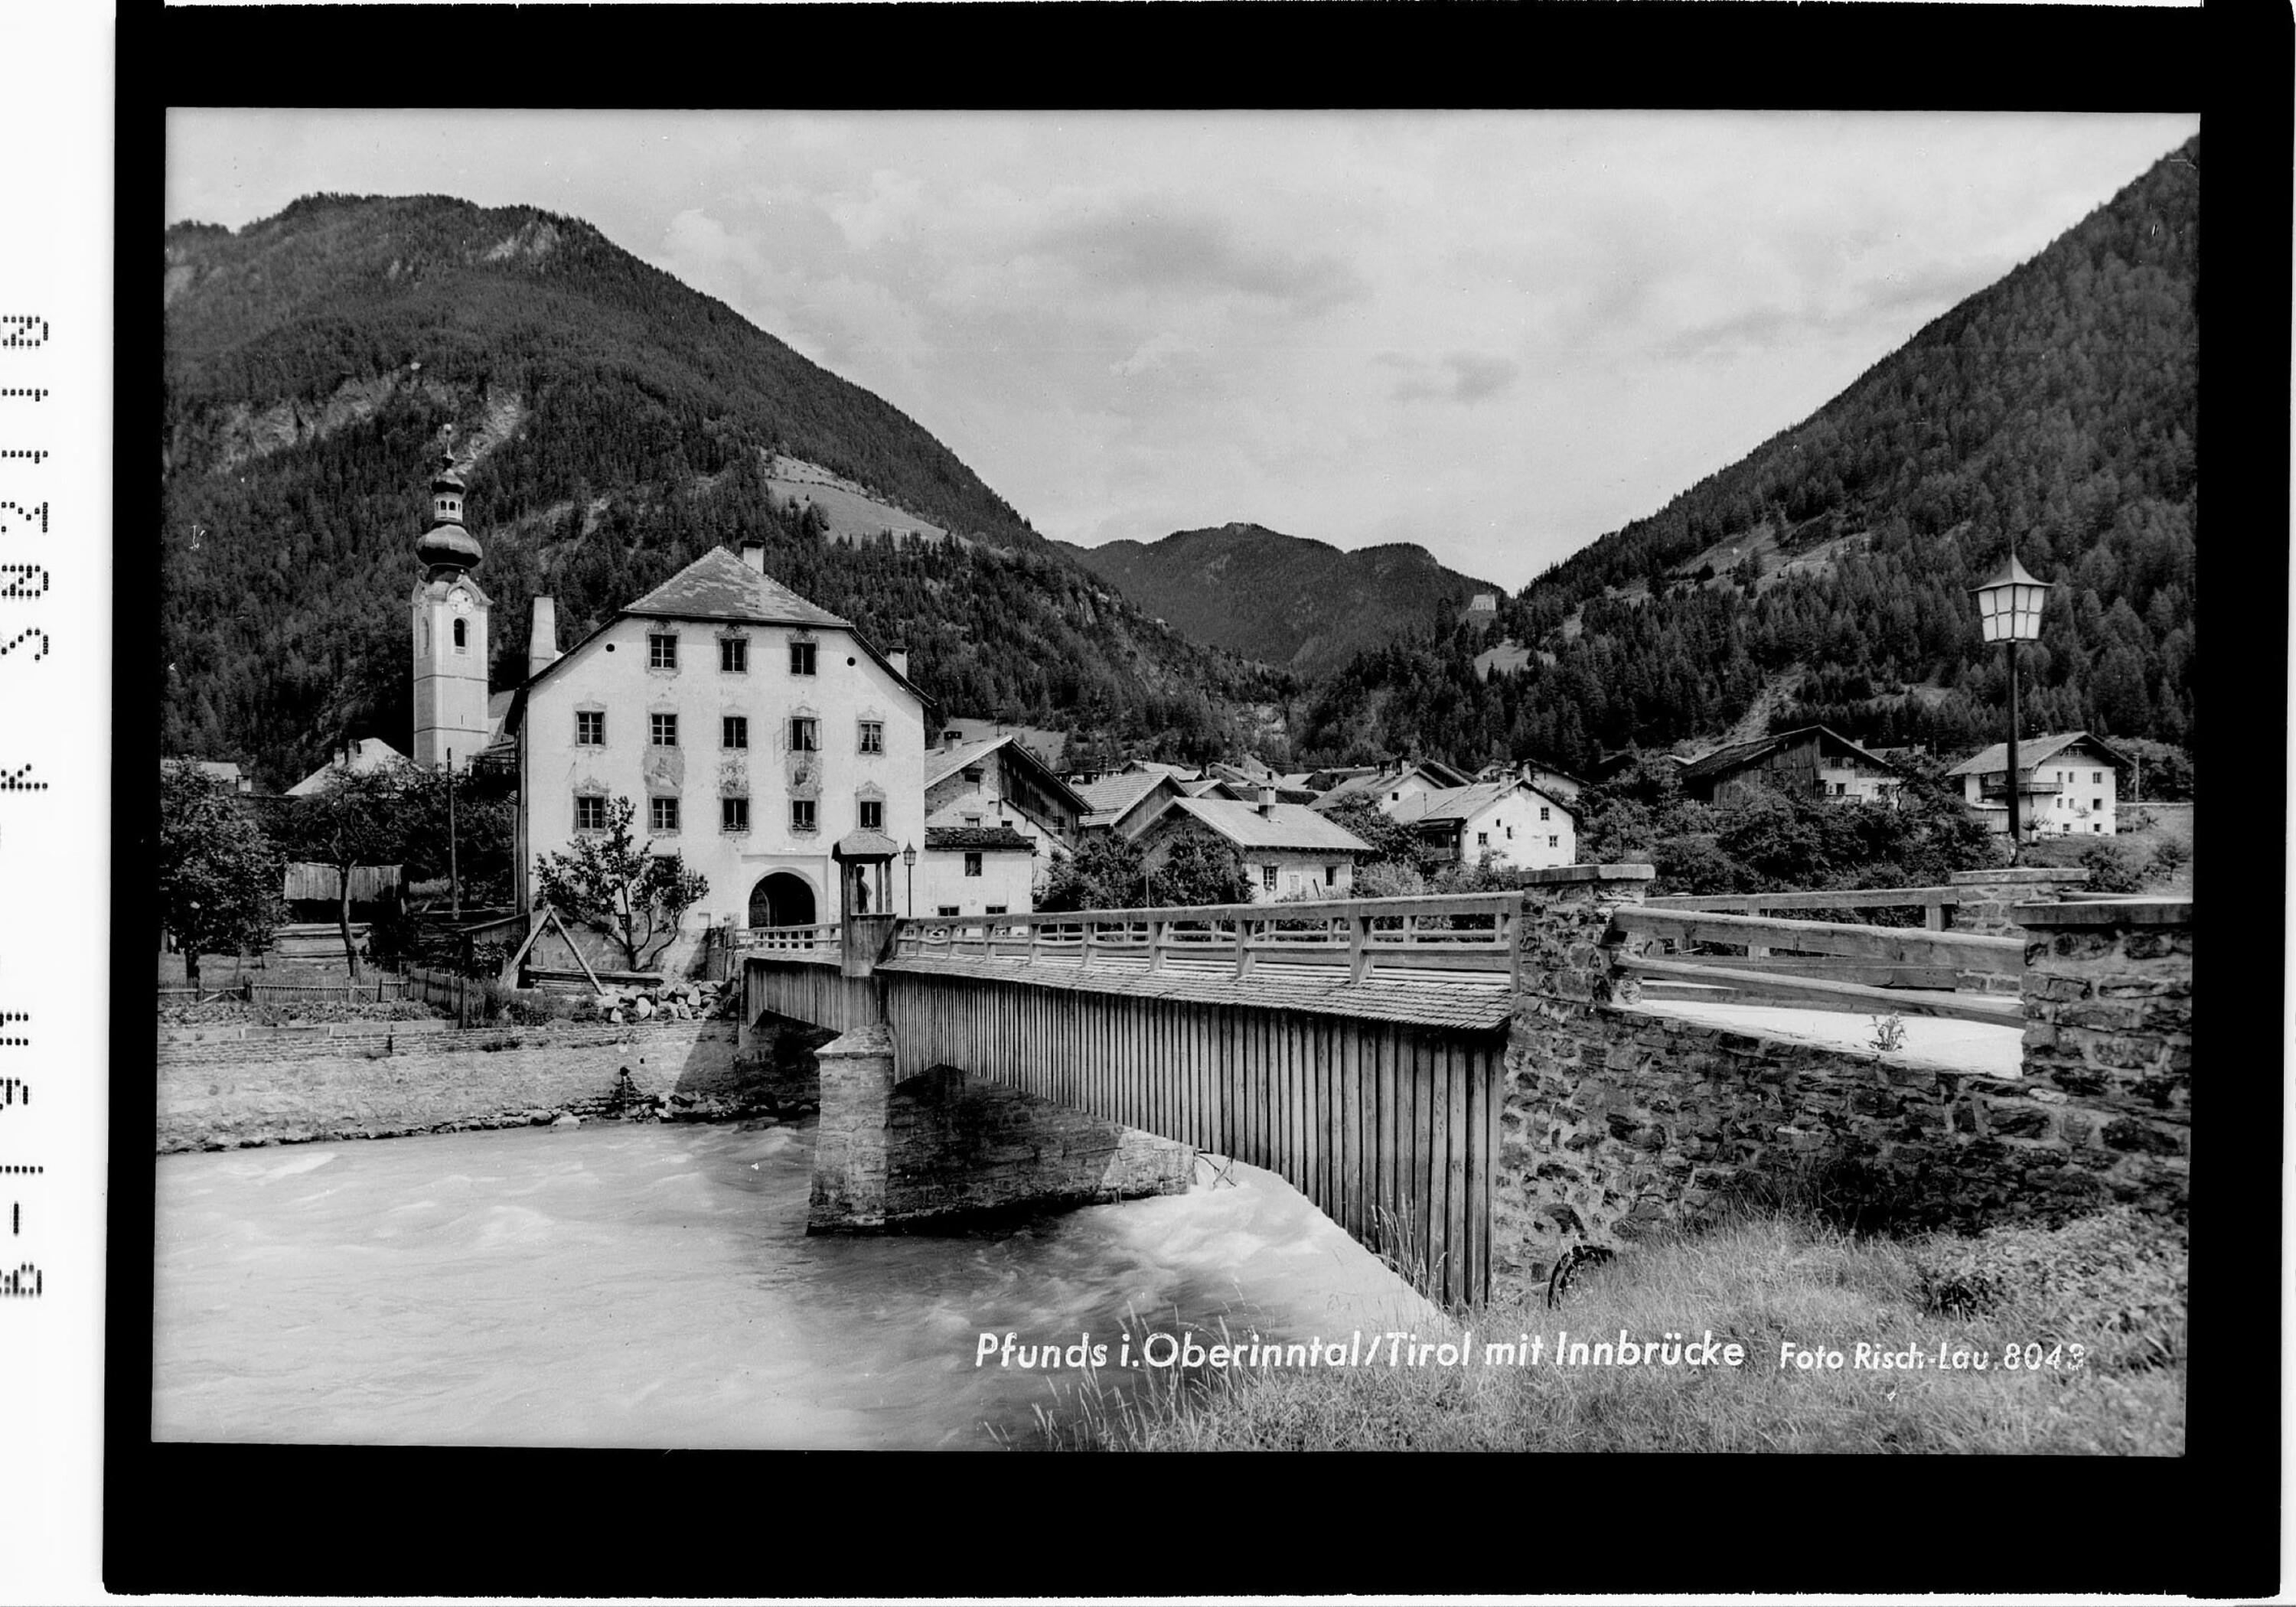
pixel 449 620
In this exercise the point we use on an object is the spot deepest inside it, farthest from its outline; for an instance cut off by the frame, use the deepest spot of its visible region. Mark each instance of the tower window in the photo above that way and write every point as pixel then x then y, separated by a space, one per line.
pixel 734 814
pixel 590 728
pixel 662 814
pixel 802 815
pixel 737 731
pixel 872 736
pixel 873 814
pixel 801 658
pixel 665 730
pixel 461 635
pixel 804 735
pixel 734 655
pixel 589 814
pixel 662 651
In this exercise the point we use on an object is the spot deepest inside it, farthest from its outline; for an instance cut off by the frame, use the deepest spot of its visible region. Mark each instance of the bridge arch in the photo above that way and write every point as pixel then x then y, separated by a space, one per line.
pixel 783 898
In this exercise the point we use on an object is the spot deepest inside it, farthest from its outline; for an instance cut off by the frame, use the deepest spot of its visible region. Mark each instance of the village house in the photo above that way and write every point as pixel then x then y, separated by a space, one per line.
pixel 2070 782
pixel 751 729
pixel 1512 822
pixel 1392 785
pixel 1810 761
pixel 1288 849
pixel 985 803
pixel 1124 804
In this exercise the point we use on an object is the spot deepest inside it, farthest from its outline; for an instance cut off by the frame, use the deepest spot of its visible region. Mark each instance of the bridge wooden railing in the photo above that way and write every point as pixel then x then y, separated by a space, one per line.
pixel 1932 901
pixel 1468 932
pixel 1937 974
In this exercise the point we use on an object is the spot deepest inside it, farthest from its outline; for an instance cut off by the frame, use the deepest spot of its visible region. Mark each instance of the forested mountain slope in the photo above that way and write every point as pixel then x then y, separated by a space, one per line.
pixel 2056 407
pixel 1301 605
pixel 612 423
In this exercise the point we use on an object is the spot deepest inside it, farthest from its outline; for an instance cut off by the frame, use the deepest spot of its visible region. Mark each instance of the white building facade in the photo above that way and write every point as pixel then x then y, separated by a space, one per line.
pixel 2070 785
pixel 751 730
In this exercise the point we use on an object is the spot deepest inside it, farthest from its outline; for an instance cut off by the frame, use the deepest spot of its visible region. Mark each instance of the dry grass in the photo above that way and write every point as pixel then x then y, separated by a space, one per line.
pixel 2111 1284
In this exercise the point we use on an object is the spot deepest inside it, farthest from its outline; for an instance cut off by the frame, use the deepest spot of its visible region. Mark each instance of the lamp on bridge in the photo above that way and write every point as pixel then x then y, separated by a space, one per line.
pixel 2009 608
pixel 909 864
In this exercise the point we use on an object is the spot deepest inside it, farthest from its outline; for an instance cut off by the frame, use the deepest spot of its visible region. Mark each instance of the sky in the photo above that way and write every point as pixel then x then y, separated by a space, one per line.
pixel 1500 335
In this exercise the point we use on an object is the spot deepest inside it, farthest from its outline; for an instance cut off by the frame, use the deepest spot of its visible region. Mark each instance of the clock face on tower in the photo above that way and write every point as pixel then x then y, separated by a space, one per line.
pixel 459 600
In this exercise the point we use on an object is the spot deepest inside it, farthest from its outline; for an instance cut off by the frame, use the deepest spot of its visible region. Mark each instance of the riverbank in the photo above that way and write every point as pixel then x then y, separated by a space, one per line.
pixel 239 1088
pixel 2018 1342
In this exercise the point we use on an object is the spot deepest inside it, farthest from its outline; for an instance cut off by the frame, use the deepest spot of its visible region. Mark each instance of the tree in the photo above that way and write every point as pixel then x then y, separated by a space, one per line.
pixel 356 817
pixel 1106 872
pixel 218 875
pixel 608 883
pixel 1201 870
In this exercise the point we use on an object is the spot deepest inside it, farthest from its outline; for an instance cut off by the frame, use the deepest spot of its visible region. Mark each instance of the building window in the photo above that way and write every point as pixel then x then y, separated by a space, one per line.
pixel 1554 842
pixel 996 909
pixel 1840 788
pixel 973 820
pixel 1267 877
pixel 1542 811
pixel 1510 833
pixel 972 864
pixel 665 730
pixel 805 735
pixel 800 658
pixel 737 731
pixel 461 635
pixel 873 814
pixel 589 727
pixel 2096 803
pixel 589 814
pixel 734 814
pixel 1483 839
pixel 945 909
pixel 662 814
pixel 973 775
pixel 872 736
pixel 662 651
pixel 2098 828
pixel 802 814
pixel 1331 875
pixel 734 655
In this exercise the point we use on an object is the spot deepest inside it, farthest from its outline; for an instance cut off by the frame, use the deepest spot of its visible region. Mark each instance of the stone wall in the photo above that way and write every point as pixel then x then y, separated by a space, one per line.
pixel 294 1088
pixel 943 1148
pixel 1991 895
pixel 1615 1121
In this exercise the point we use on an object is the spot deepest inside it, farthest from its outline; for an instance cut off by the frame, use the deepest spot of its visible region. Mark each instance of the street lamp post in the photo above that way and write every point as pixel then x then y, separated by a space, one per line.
pixel 909 864
pixel 2009 608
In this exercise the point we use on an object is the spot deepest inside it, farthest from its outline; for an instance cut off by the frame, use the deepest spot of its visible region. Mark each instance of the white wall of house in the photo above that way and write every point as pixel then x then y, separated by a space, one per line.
pixel 984 805
pixel 1846 776
pixel 2086 803
pixel 1532 830
pixel 967 882
pixel 613 676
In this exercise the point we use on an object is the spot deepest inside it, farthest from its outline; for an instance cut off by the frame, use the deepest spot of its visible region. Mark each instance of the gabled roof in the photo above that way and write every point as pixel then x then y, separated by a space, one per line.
pixel 1049 748
pixel 1452 804
pixel 941 763
pixel 2032 752
pixel 1435 775
pixel 368 753
pixel 980 840
pixel 1115 794
pixel 1149 767
pixel 1283 826
pixel 718 585
pixel 1737 756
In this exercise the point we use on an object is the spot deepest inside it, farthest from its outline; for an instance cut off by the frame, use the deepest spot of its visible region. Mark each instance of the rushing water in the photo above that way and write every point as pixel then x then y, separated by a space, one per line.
pixel 653 1285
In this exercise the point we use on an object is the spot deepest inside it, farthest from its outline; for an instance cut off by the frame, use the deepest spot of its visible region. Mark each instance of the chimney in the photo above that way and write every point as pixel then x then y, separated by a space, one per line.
pixel 542 640
pixel 1267 801
pixel 753 553
pixel 899 658
pixel 951 739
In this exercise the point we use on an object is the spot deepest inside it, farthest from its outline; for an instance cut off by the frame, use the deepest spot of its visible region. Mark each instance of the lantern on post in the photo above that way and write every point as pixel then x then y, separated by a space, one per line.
pixel 909 864
pixel 2009 610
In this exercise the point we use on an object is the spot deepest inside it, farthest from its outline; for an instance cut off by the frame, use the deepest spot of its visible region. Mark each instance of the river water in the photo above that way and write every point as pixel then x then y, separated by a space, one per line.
pixel 652 1285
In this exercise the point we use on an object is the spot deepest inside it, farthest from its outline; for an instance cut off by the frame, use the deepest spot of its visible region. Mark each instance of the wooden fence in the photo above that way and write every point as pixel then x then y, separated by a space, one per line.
pixel 383 987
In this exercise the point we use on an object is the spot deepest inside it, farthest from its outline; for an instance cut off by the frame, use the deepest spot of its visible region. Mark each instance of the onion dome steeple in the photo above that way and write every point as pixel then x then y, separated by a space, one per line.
pixel 447 546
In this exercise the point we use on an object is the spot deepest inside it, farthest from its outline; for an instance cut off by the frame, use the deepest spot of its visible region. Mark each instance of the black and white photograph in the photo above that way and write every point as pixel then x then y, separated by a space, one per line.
pixel 883 780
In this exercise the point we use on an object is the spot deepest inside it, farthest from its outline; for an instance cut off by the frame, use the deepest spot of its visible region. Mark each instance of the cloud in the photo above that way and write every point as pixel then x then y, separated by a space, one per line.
pixel 1461 376
pixel 1145 248
pixel 1155 352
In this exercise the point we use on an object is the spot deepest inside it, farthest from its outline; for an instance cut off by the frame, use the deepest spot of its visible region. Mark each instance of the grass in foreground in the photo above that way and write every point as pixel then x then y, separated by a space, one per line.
pixel 2112 1284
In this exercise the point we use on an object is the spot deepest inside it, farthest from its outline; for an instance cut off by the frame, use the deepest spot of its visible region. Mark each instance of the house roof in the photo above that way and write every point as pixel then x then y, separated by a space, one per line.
pixel 941 763
pixel 1452 804
pixel 1115 794
pixel 1435 775
pixel 368 753
pixel 1048 748
pixel 1283 826
pixel 2032 752
pixel 1738 755
pixel 718 585
pixel 1150 767
pixel 996 839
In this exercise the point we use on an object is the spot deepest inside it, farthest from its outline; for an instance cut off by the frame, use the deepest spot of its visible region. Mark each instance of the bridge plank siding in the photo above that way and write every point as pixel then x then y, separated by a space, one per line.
pixel 1455 1187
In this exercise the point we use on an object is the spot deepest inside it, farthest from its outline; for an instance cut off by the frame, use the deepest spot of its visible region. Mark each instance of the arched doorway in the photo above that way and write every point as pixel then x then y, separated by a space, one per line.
pixel 781 900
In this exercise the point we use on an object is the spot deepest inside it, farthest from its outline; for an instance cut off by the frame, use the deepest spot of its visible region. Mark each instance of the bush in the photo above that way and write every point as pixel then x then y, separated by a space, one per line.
pixel 2111 868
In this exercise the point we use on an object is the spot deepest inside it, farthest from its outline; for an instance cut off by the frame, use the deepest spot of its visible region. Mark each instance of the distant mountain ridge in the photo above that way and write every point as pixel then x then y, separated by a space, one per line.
pixel 1299 604
pixel 614 424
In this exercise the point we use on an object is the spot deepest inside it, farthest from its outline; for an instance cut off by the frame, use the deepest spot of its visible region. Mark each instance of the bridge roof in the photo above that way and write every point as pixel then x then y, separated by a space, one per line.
pixel 1421 1001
